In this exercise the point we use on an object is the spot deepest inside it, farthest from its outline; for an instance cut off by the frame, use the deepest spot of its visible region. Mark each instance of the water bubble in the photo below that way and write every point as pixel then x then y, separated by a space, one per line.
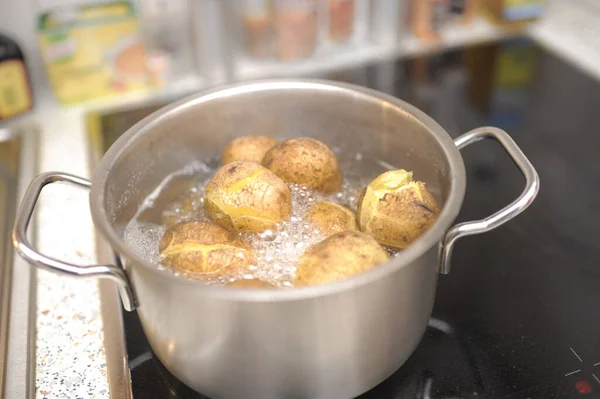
pixel 268 235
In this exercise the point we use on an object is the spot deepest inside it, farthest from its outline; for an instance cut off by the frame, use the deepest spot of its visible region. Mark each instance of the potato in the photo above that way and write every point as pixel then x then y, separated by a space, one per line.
pixel 251 283
pixel 246 197
pixel 307 162
pixel 247 148
pixel 203 249
pixel 395 209
pixel 330 218
pixel 337 257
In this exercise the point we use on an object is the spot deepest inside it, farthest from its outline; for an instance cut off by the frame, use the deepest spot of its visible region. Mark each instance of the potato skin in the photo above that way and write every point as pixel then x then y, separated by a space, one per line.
pixel 305 161
pixel 330 218
pixel 203 249
pixel 396 210
pixel 247 148
pixel 251 283
pixel 337 257
pixel 243 196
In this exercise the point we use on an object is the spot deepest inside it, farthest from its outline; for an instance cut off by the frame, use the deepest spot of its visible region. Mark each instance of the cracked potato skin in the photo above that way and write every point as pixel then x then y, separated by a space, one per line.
pixel 330 218
pixel 245 197
pixel 203 249
pixel 396 210
pixel 247 148
pixel 337 257
pixel 307 162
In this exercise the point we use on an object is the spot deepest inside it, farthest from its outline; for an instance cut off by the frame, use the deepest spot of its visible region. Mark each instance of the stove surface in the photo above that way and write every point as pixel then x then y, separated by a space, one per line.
pixel 517 316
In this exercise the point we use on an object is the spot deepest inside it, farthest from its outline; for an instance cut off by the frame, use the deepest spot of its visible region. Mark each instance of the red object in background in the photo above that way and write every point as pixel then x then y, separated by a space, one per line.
pixel 296 25
pixel 341 19
pixel 583 386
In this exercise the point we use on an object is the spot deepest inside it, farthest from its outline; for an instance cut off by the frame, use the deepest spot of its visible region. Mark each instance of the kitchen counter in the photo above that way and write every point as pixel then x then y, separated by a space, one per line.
pixel 70 354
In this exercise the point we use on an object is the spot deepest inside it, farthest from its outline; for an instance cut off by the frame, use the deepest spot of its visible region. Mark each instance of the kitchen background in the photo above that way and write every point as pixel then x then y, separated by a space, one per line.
pixel 102 53
pixel 67 65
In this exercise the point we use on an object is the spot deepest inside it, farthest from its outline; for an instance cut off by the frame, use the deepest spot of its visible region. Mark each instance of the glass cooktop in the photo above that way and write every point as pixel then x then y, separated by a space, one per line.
pixel 517 317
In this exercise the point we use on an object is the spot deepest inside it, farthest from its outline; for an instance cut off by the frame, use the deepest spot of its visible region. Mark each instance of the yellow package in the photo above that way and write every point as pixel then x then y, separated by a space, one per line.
pixel 93 51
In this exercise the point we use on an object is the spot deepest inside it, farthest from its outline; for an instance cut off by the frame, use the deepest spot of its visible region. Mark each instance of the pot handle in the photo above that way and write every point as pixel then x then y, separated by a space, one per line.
pixel 26 250
pixel 532 185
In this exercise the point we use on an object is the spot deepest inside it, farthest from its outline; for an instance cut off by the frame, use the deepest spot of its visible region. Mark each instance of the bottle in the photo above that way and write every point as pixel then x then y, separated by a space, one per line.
pixel 167 35
pixel 341 19
pixel 296 25
pixel 258 27
pixel 15 87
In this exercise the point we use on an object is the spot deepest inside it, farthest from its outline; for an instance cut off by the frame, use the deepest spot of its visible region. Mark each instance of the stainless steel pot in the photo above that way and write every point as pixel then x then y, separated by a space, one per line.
pixel 331 341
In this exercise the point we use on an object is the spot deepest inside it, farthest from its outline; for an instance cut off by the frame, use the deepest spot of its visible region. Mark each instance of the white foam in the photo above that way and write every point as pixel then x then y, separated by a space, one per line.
pixel 144 239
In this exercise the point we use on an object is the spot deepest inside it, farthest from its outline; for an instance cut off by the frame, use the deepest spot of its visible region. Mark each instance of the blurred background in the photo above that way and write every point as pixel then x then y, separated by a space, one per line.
pixel 102 53
pixel 76 74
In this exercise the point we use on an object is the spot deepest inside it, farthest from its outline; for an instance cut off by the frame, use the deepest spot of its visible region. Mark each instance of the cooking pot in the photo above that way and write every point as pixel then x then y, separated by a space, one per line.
pixel 335 340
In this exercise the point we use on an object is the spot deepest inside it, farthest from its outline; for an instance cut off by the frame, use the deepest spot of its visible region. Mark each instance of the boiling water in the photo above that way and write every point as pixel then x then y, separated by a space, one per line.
pixel 180 197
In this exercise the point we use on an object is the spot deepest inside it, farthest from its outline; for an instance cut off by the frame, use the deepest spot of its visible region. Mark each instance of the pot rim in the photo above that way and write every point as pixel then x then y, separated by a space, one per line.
pixel 424 243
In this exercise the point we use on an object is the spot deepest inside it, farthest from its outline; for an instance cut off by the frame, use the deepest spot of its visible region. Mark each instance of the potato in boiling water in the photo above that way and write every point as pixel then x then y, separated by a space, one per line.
pixel 247 148
pixel 243 196
pixel 330 218
pixel 203 249
pixel 307 162
pixel 395 209
pixel 339 256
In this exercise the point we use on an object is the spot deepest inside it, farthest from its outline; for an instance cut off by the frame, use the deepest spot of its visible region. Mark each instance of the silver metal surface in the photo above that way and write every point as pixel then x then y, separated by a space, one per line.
pixel 26 250
pixel 333 340
pixel 117 367
pixel 117 364
pixel 17 281
pixel 532 186
pixel 7 202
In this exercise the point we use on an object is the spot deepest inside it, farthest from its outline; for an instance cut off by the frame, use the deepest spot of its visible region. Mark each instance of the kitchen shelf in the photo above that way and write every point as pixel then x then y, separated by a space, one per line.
pixel 327 59
pixel 185 85
pixel 353 55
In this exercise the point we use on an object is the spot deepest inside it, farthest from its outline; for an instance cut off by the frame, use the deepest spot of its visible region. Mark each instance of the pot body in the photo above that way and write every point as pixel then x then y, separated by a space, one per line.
pixel 332 341
pixel 331 346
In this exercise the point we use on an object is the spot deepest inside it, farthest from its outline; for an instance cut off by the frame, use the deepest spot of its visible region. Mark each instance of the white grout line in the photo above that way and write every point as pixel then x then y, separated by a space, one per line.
pixel 596 364
pixel 572 372
pixel 596 378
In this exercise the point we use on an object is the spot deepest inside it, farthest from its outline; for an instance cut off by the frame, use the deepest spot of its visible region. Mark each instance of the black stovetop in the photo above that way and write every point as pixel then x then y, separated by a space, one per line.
pixel 517 317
